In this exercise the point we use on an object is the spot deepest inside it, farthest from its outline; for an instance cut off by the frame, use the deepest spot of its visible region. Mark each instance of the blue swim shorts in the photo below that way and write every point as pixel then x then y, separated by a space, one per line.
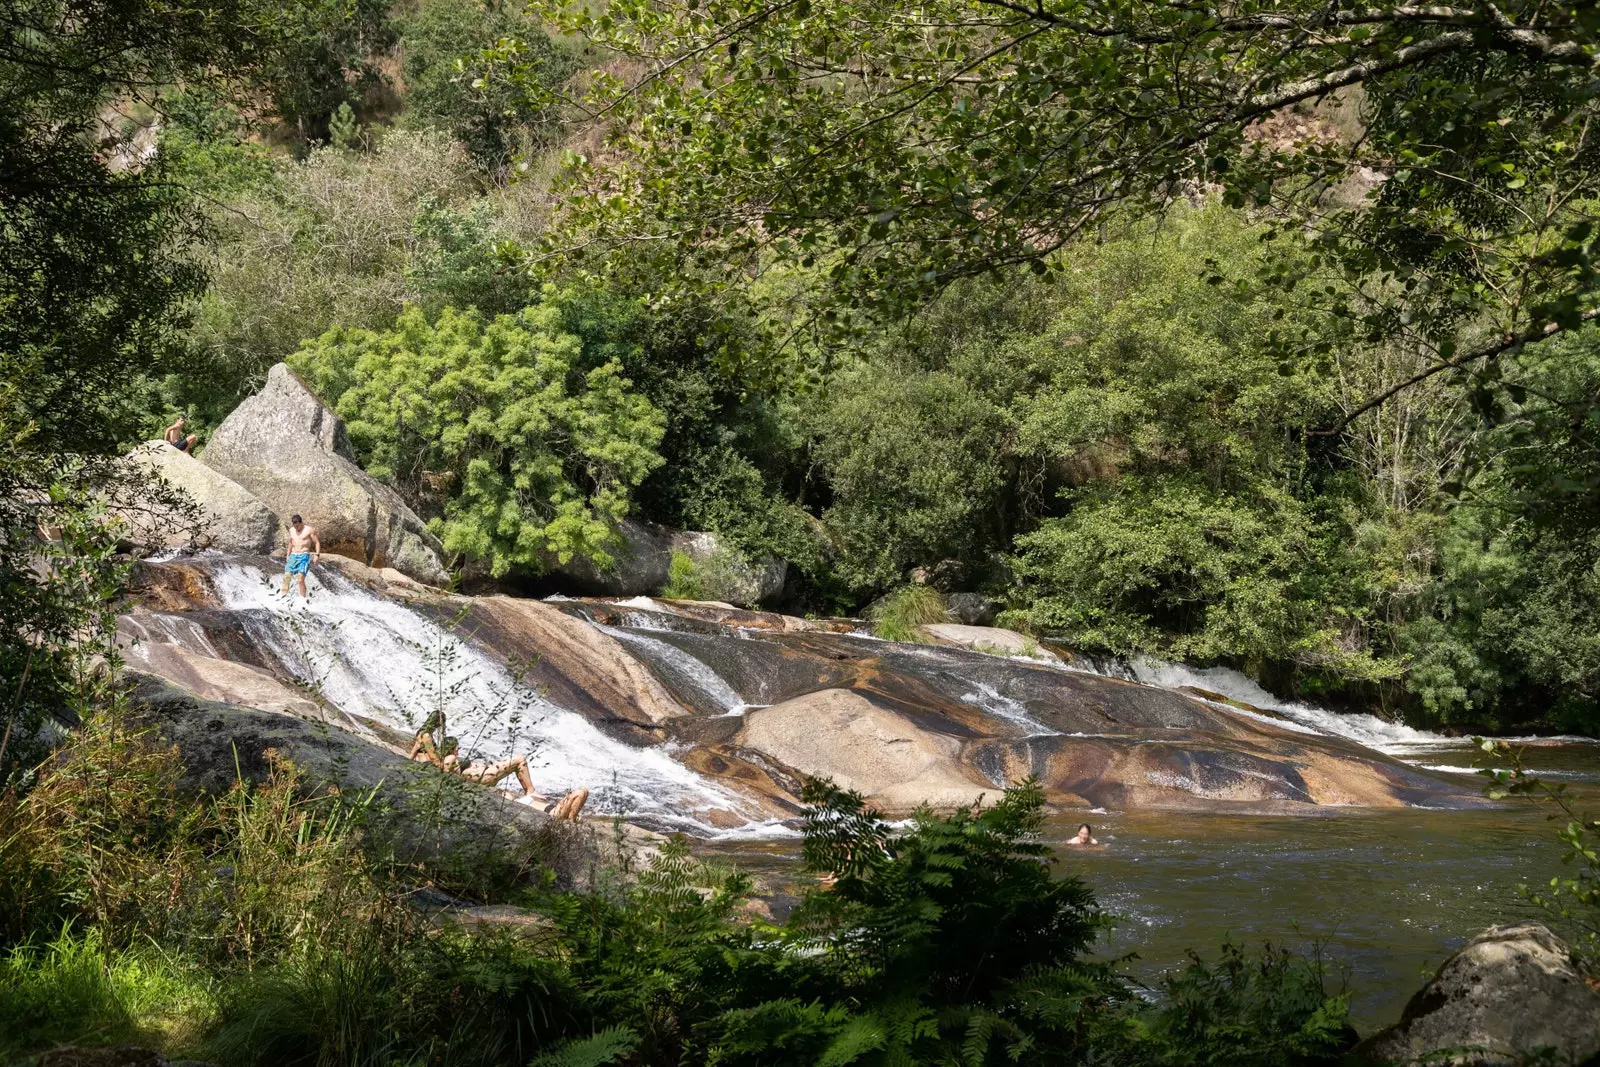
pixel 297 563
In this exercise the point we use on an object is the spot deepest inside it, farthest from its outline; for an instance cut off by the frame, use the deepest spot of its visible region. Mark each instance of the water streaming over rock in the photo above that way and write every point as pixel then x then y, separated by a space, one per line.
pixel 377 658
pixel 1001 706
pixel 685 674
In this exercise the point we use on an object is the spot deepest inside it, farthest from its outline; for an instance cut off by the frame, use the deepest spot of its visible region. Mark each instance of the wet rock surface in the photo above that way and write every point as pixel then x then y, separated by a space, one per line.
pixel 424 814
pixel 757 701
pixel 1509 996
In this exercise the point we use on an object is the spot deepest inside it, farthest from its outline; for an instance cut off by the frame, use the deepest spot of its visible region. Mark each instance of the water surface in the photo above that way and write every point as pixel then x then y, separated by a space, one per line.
pixel 1384 895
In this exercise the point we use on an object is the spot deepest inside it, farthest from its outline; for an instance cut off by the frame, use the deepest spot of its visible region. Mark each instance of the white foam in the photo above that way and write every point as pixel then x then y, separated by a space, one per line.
pixel 377 658
pixel 1001 706
pixel 1369 730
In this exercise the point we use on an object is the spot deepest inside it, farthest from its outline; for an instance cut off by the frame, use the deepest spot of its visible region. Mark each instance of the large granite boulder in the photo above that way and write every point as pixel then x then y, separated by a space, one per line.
pixel 421 813
pixel 895 762
pixel 994 640
pixel 231 517
pixel 1509 996
pixel 288 448
pixel 643 562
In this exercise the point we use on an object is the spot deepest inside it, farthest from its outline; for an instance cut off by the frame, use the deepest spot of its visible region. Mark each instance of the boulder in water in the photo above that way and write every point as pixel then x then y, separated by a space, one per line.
pixel 882 754
pixel 288 448
pixel 1510 995
pixel 233 519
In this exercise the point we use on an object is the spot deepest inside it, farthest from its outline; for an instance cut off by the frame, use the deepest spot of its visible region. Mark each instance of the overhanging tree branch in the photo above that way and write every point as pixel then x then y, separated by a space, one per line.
pixel 1507 343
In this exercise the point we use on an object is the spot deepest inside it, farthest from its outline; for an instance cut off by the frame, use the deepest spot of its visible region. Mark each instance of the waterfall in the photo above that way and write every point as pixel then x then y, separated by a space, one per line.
pixel 682 671
pixel 374 657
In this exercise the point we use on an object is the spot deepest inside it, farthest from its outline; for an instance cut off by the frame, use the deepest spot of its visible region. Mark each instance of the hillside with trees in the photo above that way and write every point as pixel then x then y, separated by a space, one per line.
pixel 1254 335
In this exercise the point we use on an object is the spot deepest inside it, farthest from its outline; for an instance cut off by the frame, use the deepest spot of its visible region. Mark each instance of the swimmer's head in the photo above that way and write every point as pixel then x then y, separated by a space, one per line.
pixel 1085 832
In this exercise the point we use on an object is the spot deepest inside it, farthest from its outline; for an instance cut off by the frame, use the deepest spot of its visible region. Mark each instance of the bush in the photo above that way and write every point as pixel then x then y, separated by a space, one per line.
pixel 533 448
pixel 914 463
pixel 1270 1011
pixel 901 615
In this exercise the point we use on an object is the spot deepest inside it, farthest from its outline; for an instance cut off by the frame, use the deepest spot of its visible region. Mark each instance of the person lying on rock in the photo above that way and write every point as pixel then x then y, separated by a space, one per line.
pixel 303 541
pixel 1084 836
pixel 175 437
pixel 448 759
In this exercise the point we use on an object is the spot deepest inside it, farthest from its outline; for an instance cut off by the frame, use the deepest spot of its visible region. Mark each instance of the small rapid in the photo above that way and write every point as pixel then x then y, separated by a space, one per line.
pixel 373 657
pixel 1391 738
pixel 680 670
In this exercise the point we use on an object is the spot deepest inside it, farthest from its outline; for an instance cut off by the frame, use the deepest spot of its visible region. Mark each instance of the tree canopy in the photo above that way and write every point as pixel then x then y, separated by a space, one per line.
pixel 905 147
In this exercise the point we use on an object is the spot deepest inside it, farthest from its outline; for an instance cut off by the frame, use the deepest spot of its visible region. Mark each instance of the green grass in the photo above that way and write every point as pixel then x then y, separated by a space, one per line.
pixel 72 990
pixel 900 615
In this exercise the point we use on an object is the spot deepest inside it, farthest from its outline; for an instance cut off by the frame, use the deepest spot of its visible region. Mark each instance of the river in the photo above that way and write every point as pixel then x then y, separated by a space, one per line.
pixel 1385 896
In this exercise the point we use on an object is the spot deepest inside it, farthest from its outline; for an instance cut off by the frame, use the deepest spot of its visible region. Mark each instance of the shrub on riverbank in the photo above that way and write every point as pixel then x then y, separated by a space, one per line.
pixel 900 615
pixel 258 928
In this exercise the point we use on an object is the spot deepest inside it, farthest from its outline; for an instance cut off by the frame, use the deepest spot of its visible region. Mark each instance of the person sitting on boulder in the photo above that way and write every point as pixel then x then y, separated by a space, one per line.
pixel 175 437
pixel 303 541
pixel 448 759
pixel 423 746
pixel 1084 836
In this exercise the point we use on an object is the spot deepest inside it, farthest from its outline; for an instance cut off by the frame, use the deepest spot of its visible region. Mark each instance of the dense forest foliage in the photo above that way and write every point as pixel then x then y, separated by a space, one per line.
pixel 1161 439
pixel 1254 335
pixel 1279 396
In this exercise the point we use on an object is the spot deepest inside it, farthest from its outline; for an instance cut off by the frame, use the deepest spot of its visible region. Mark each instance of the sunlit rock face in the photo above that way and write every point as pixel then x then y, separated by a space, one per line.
pixel 289 449
pixel 1510 995
pixel 708 719
pixel 230 518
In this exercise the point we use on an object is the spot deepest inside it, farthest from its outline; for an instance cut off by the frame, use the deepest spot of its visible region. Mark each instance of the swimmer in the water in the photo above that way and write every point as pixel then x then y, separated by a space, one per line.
pixel 1084 836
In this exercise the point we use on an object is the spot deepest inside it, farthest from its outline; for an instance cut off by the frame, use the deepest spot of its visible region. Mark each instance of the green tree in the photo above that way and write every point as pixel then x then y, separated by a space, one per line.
pixel 335 239
pixel 97 246
pixel 447 85
pixel 904 148
pixel 915 464
pixel 328 56
pixel 529 448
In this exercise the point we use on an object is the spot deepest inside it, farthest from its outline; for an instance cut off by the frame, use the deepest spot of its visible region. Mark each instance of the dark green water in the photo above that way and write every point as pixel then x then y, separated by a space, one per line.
pixel 1385 895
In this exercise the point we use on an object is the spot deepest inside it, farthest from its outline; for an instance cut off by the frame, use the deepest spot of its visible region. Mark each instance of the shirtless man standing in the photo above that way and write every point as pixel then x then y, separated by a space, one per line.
pixel 302 543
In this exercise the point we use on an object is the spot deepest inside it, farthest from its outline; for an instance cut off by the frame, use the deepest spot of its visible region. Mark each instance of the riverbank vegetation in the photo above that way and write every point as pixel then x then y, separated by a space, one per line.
pixel 1279 397
pixel 269 926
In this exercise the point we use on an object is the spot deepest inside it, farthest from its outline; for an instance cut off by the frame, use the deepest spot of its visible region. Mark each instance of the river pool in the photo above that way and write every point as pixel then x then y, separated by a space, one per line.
pixel 1385 895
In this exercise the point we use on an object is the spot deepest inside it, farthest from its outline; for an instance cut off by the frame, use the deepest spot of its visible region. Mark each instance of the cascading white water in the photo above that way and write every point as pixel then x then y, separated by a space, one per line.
pixel 377 658
pixel 1001 706
pixel 1395 739
pixel 683 669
